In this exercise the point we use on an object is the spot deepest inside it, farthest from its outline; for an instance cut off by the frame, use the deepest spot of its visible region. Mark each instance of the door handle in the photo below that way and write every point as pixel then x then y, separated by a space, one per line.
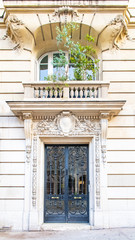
pixel 77 197
pixel 54 197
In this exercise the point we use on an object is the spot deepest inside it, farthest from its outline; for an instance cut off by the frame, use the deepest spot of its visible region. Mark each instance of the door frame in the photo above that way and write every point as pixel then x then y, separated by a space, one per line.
pixel 66 164
pixel 41 142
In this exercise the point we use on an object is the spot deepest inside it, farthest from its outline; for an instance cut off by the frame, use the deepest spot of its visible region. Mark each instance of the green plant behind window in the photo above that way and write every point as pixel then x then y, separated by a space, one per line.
pixel 84 67
pixel 79 56
pixel 59 65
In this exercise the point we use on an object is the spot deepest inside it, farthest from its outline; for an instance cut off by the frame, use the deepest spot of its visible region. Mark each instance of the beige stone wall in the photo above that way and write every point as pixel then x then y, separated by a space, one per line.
pixel 118 67
pixel 14 68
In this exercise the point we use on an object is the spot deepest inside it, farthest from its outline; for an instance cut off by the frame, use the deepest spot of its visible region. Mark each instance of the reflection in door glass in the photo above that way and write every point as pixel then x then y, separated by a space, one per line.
pixel 55 170
pixel 77 182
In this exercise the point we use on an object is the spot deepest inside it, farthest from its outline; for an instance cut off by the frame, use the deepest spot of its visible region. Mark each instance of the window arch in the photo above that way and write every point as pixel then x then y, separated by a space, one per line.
pixel 48 68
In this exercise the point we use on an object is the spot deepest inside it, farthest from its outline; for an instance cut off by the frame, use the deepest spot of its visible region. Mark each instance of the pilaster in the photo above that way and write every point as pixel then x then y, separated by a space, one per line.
pixel 27 193
pixel 104 117
pixel 104 126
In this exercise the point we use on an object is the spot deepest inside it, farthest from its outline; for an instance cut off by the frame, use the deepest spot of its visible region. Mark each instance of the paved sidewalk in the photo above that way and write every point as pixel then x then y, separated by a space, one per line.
pixel 102 234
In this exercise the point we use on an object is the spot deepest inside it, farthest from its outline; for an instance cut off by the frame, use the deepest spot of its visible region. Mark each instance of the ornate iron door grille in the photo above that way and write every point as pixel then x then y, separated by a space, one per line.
pixel 66 183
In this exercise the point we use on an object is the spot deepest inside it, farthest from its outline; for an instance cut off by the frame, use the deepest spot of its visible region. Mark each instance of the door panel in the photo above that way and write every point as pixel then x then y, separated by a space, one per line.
pixel 66 198
pixel 77 183
pixel 55 184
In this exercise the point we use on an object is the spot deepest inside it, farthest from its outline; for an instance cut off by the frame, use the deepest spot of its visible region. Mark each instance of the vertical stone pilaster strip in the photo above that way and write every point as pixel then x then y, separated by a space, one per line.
pixel 34 172
pixel 104 126
pixel 27 117
pixel 28 134
pixel 97 169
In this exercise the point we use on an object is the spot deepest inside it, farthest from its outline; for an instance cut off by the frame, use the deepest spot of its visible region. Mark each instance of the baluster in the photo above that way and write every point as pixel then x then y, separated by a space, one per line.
pixel 95 92
pixel 76 92
pixel 36 92
pixel 51 92
pixel 60 92
pixel 81 92
pixel 46 93
pixel 41 92
pixel 72 92
pixel 55 92
pixel 85 92
pixel 90 92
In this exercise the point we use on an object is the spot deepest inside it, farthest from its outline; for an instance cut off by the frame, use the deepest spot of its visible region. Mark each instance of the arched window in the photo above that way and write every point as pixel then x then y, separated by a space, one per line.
pixel 48 68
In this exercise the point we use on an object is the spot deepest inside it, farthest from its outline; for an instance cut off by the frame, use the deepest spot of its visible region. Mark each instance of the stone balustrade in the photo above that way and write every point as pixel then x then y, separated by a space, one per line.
pixel 74 90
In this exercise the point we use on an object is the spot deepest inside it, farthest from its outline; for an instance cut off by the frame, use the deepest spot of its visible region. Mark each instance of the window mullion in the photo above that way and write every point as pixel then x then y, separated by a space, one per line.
pixel 50 65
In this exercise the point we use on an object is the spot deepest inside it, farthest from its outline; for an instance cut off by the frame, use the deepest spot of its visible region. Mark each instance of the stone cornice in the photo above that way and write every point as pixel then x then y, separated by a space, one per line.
pixel 91 107
pixel 92 3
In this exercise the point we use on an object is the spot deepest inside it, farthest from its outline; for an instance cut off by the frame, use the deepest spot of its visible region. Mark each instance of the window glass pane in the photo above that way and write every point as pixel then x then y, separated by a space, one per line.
pixel 56 55
pixel 43 71
pixel 58 69
pixel 90 73
pixel 45 59
pixel 44 68
pixel 58 72
pixel 71 71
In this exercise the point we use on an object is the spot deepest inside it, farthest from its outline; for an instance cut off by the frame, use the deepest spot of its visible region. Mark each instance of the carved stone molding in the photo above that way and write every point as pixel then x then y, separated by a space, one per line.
pixel 118 29
pixel 65 14
pixel 14 25
pixel 49 121
pixel 67 124
pixel 104 126
pixel 28 133
pixel 97 168
pixel 34 172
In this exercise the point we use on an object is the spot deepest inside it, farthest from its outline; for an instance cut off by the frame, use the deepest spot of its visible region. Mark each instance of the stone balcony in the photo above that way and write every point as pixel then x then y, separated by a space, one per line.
pixel 79 97
pixel 69 91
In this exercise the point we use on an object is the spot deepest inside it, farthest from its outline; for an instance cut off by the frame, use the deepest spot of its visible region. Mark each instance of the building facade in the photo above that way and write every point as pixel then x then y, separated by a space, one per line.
pixel 67 150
